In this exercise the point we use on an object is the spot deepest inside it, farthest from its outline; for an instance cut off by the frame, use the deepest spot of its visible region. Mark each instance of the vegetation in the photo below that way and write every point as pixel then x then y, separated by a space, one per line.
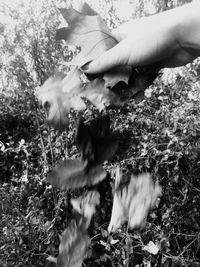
pixel 159 135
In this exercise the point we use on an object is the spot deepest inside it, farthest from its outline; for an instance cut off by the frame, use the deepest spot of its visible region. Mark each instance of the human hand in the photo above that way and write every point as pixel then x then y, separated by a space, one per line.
pixel 160 40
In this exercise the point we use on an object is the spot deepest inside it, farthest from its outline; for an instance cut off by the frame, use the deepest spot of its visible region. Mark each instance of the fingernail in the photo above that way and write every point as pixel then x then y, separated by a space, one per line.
pixel 85 66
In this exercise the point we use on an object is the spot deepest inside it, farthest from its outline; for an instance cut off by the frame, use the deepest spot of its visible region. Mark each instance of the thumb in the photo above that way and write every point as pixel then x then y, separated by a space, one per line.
pixel 118 55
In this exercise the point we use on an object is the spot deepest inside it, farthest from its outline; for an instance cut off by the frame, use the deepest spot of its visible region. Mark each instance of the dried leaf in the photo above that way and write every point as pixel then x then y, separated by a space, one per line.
pixel 84 8
pixel 116 75
pixel 87 30
pixel 139 80
pixel 71 174
pixel 86 204
pixel 73 246
pixel 96 141
pixel 59 96
pixel 100 96
pixel 151 248
pixel 51 97
pixel 133 201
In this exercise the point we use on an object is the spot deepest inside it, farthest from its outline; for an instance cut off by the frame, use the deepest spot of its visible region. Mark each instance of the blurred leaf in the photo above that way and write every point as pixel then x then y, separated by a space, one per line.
pixel 59 95
pixel 73 246
pixel 71 174
pixel 132 201
pixel 58 99
pixel 96 141
pixel 86 204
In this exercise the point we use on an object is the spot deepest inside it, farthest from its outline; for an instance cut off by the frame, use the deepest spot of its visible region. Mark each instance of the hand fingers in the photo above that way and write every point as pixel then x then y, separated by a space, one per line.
pixel 122 31
pixel 118 55
pixel 130 28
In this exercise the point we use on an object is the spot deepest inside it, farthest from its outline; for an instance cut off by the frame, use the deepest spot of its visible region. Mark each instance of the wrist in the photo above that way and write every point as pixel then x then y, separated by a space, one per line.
pixel 187 28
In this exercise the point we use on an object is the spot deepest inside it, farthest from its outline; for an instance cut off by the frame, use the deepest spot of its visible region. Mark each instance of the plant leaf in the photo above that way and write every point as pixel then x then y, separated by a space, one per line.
pixel 116 75
pixel 151 248
pixel 73 246
pixel 139 80
pixel 84 8
pixel 71 174
pixel 58 99
pixel 100 96
pixel 59 96
pixel 96 141
pixel 51 96
pixel 133 201
pixel 86 204
pixel 87 30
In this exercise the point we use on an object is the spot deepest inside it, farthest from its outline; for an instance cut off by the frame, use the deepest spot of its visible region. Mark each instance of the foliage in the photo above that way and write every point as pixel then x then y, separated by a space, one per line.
pixel 160 135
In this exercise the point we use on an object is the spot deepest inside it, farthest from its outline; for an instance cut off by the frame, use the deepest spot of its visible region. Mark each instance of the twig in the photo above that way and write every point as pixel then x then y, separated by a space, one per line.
pixel 50 145
pixel 127 246
pixel 41 140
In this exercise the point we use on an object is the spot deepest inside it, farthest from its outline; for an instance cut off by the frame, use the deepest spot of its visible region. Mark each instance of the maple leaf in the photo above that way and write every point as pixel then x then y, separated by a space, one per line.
pixel 71 174
pixel 132 201
pixel 88 30
pixel 100 96
pixel 60 95
pixel 81 26
pixel 73 245
pixel 84 8
pixel 140 79
pixel 86 204
pixel 58 99
pixel 96 141
pixel 51 97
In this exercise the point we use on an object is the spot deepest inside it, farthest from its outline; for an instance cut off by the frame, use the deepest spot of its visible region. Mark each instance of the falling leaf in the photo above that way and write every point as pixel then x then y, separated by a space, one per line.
pixel 73 246
pixel 71 174
pixel 151 248
pixel 96 140
pixel 86 204
pixel 132 201
pixel 51 97
pixel 59 96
